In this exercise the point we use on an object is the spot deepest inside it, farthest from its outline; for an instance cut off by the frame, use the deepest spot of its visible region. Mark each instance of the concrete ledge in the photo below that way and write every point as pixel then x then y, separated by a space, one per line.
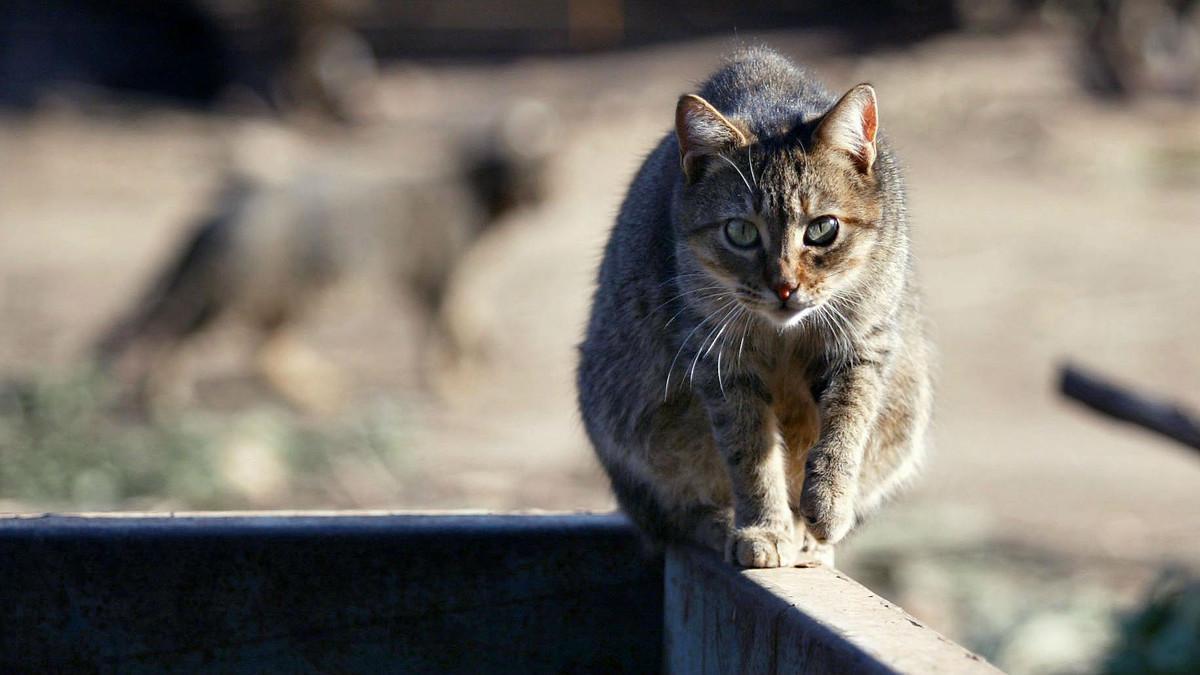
pixel 478 593
pixel 343 593
pixel 723 620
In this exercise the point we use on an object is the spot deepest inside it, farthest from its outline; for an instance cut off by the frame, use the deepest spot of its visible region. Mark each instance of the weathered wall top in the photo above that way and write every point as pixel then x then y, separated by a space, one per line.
pixel 476 593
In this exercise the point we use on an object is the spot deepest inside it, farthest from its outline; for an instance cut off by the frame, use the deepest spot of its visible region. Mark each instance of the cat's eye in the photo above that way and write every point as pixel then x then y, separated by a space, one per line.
pixel 821 231
pixel 741 233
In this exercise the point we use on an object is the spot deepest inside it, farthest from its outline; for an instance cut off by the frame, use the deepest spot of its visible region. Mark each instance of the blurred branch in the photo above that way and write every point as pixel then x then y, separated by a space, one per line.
pixel 1115 401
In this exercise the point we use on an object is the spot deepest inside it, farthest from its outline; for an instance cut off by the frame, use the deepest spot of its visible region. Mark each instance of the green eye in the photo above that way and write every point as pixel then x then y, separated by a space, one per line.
pixel 741 233
pixel 821 231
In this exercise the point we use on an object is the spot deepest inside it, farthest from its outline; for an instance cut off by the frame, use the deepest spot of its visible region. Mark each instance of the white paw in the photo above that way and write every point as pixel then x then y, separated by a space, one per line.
pixel 762 546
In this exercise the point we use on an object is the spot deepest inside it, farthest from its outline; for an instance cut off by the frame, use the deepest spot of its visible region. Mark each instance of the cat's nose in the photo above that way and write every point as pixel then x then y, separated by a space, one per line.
pixel 784 290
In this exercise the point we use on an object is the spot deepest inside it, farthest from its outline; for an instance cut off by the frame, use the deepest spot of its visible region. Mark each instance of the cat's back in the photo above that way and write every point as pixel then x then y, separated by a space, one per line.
pixel 766 90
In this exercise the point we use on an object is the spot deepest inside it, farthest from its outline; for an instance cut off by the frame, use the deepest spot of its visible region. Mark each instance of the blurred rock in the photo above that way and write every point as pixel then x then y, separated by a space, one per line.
pixel 249 461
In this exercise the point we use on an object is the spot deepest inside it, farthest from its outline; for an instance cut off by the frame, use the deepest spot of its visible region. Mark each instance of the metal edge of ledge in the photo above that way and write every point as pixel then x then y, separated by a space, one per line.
pixel 299 522
pixel 721 619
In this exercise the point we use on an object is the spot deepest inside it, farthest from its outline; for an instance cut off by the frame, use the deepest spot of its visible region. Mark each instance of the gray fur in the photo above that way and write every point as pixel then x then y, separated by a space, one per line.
pixel 266 253
pixel 715 423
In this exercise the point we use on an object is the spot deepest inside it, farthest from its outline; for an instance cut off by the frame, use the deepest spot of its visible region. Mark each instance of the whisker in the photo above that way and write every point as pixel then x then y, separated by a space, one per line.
pixel 681 276
pixel 735 168
pixel 827 322
pixel 686 308
pixel 720 352
pixel 832 339
pixel 745 329
pixel 803 152
pixel 847 328
pixel 671 369
pixel 714 341
pixel 840 326
pixel 684 294
pixel 700 352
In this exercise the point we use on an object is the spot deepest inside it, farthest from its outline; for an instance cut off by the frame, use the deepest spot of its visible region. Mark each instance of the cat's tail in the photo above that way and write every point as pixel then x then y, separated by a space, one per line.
pixel 186 296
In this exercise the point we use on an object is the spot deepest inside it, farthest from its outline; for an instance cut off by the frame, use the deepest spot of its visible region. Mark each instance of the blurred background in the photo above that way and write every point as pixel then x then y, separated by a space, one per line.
pixel 328 254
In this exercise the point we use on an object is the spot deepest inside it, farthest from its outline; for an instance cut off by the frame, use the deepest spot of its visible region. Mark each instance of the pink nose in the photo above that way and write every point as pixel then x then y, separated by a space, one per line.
pixel 784 291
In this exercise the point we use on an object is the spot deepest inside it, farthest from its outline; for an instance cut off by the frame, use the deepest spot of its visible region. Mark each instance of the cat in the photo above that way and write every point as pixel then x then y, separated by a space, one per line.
pixel 266 252
pixel 755 375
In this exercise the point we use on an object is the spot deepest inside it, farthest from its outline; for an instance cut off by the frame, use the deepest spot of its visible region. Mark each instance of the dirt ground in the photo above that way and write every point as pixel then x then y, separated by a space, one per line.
pixel 1049 226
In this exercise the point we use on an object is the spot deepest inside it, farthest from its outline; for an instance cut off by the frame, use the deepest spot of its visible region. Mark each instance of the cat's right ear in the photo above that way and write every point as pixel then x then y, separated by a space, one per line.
pixel 851 126
pixel 702 131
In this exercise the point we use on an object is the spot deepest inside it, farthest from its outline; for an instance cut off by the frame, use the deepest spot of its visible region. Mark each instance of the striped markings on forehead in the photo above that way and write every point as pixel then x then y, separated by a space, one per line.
pixel 787 189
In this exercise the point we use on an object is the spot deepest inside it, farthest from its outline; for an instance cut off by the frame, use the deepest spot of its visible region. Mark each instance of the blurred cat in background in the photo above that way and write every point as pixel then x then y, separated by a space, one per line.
pixel 267 250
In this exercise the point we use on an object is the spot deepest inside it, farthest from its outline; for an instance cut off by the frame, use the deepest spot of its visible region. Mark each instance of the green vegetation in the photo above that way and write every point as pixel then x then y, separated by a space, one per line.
pixel 64 445
pixel 1163 635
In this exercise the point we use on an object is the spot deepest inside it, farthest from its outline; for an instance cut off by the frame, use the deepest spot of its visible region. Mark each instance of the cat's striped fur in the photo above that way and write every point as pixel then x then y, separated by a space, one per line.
pixel 760 400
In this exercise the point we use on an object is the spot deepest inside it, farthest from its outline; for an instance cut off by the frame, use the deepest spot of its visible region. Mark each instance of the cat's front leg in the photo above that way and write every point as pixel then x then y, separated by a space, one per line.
pixel 744 429
pixel 849 408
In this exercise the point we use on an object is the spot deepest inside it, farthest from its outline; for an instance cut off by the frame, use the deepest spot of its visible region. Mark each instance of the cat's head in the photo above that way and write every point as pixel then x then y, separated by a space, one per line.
pixel 782 224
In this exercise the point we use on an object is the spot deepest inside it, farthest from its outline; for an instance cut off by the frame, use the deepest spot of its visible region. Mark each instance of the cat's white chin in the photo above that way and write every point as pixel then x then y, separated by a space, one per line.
pixel 787 318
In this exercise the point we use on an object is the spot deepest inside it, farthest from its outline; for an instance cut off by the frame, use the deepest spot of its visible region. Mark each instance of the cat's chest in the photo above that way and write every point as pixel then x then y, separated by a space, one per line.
pixel 793 404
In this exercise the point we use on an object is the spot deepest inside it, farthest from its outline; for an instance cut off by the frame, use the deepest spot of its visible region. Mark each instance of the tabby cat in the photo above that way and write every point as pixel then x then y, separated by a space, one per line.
pixel 268 250
pixel 755 375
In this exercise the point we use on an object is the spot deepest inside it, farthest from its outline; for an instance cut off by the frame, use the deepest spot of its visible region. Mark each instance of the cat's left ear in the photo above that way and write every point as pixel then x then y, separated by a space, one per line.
pixel 702 131
pixel 851 125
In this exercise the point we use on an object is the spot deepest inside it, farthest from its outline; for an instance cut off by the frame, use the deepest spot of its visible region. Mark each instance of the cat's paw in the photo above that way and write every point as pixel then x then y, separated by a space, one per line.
pixel 828 510
pixel 760 546
pixel 812 552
